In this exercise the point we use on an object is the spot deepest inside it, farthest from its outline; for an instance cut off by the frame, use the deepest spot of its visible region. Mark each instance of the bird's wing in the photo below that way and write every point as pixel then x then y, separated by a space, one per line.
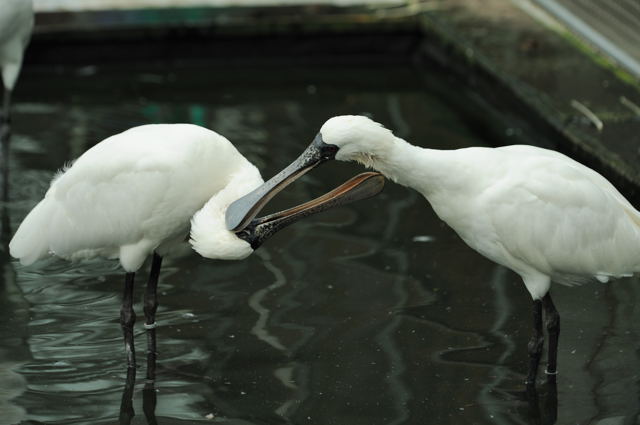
pixel 93 206
pixel 127 194
pixel 562 218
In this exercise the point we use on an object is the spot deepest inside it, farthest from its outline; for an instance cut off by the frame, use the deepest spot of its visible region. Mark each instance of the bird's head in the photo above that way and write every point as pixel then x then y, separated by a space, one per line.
pixel 356 138
pixel 345 138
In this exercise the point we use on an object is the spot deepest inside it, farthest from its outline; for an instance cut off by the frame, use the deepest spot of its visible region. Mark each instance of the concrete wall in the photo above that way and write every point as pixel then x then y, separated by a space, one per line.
pixel 79 5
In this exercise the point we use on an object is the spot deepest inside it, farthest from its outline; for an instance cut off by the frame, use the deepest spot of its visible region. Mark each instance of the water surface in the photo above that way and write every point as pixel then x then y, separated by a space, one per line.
pixel 372 314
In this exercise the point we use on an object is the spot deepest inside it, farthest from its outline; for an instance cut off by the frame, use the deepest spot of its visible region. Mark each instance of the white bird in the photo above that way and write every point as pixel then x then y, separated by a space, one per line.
pixel 532 210
pixel 142 192
pixel 16 23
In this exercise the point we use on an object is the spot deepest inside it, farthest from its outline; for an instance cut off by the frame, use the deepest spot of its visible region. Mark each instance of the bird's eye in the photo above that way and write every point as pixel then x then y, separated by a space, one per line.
pixel 328 151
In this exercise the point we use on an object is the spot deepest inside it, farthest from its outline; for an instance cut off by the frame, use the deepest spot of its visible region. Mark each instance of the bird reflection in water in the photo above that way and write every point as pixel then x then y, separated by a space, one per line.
pixel 543 406
pixel 149 398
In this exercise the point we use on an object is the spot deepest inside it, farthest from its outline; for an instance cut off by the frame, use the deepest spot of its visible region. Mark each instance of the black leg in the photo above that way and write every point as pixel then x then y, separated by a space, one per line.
pixel 5 230
pixel 552 322
pixel 535 343
pixel 5 137
pixel 127 319
pixel 6 102
pixel 150 308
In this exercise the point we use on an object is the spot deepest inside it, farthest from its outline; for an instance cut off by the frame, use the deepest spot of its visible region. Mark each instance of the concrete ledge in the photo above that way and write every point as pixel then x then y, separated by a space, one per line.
pixel 588 106
pixel 254 19
pixel 47 6
pixel 540 82
pixel 308 34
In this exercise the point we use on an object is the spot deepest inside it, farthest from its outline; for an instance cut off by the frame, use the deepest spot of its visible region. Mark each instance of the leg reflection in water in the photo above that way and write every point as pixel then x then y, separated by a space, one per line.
pixel 148 394
pixel 543 408
pixel 150 308
pixel 126 405
pixel 149 391
pixel 149 402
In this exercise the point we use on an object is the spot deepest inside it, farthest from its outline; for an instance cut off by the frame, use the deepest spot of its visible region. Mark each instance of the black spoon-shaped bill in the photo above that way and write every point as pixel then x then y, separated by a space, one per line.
pixel 360 187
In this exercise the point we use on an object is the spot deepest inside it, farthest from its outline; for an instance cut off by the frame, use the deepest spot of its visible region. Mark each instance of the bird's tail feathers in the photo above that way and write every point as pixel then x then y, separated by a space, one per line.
pixel 31 242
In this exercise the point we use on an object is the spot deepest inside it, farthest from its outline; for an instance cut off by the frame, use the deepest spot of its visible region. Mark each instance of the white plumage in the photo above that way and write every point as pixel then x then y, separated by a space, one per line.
pixel 535 211
pixel 547 217
pixel 137 192
pixel 16 23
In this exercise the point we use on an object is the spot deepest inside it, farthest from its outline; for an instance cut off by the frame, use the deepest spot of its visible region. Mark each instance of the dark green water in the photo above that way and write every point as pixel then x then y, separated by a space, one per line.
pixel 372 314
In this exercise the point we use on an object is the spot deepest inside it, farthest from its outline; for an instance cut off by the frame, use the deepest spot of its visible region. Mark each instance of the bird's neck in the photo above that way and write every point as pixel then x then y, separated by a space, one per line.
pixel 419 168
pixel 209 234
